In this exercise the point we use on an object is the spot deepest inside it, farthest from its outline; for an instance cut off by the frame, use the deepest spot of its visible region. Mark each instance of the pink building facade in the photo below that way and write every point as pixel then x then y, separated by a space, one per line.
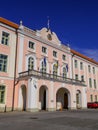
pixel 38 72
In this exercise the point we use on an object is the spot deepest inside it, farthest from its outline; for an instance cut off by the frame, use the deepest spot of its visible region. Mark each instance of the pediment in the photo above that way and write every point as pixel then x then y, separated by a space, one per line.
pixel 50 36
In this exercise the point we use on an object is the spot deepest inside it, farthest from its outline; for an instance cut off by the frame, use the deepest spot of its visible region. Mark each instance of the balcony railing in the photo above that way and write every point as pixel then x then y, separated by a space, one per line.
pixel 47 76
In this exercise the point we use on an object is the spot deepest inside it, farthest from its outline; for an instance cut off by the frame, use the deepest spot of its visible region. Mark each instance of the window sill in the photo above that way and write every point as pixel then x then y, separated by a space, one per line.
pixel 44 54
pixel 31 50
pixel 2 104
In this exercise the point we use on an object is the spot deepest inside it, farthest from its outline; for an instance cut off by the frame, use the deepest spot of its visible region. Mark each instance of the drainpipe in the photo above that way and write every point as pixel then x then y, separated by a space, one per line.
pixel 72 65
pixel 15 70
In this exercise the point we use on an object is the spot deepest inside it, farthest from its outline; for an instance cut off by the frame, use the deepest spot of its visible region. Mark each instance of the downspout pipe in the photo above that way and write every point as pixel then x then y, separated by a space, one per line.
pixel 72 65
pixel 13 98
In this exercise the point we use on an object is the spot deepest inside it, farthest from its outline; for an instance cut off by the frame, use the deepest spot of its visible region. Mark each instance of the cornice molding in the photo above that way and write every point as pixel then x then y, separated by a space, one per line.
pixel 38 38
pixel 8 27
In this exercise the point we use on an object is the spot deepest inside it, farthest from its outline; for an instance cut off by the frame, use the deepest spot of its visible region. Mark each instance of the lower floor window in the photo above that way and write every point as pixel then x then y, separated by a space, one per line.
pixel 2 94
pixel 95 98
pixel 91 97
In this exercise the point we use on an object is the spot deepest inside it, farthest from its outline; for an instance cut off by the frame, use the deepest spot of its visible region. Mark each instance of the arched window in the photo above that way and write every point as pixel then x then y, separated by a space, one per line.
pixel 43 67
pixel 2 94
pixel 30 63
pixel 64 73
pixel 55 70
pixel 78 98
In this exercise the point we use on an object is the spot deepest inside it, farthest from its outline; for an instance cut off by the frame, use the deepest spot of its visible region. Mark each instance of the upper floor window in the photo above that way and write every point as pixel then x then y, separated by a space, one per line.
pixel 30 63
pixel 2 94
pixel 90 82
pixel 94 83
pixel 55 70
pixel 76 63
pixel 76 77
pixel 44 66
pixel 82 78
pixel 81 66
pixel 31 45
pixel 54 53
pixel 64 73
pixel 93 70
pixel 5 38
pixel 64 57
pixel 44 50
pixel 89 68
pixel 3 62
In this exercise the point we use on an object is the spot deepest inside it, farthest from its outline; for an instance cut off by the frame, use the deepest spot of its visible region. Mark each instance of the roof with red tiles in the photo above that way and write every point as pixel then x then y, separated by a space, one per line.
pixel 83 56
pixel 9 23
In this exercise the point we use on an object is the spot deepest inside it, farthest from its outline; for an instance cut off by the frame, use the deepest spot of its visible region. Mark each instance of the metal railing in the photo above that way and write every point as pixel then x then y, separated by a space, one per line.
pixel 43 75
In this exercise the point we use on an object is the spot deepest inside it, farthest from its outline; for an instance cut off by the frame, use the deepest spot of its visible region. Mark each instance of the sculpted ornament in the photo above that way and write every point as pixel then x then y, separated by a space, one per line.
pixel 49 37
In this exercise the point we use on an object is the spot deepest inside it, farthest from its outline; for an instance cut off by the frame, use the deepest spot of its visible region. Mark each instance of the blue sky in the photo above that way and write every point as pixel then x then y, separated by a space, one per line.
pixel 74 21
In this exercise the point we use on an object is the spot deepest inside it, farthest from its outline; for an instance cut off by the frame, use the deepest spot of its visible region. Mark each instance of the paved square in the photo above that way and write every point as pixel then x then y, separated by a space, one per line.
pixel 64 120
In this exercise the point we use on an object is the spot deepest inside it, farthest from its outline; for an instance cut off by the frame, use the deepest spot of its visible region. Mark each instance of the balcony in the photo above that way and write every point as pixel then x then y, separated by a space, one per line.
pixel 47 76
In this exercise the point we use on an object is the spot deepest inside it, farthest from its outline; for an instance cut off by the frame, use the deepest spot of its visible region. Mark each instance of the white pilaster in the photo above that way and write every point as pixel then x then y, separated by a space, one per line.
pixel 32 94
pixel 84 97
pixel 20 62
pixel 73 98
pixel 51 100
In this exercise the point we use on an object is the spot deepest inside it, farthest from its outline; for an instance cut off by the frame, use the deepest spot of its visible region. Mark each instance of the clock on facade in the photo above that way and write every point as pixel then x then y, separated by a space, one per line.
pixel 49 37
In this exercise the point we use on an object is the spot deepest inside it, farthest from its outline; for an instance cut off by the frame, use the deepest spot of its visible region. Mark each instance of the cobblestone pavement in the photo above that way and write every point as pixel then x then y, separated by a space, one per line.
pixel 64 120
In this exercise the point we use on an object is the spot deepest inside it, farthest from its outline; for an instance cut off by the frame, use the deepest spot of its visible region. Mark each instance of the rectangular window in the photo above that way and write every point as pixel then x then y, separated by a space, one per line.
pixel 76 77
pixel 3 63
pixel 64 57
pixel 5 38
pixel 54 53
pixel 94 83
pixel 82 78
pixel 95 98
pixel 89 68
pixel 31 45
pixel 77 98
pixel 44 50
pixel 2 94
pixel 90 82
pixel 81 66
pixel 91 97
pixel 93 70
pixel 76 63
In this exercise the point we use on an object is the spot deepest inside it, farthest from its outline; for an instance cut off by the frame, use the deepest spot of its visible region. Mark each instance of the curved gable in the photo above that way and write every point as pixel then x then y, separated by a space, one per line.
pixel 50 36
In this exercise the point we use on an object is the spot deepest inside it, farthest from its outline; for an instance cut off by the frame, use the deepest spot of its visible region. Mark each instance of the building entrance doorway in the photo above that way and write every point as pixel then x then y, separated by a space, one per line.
pixel 43 98
pixel 62 99
pixel 22 98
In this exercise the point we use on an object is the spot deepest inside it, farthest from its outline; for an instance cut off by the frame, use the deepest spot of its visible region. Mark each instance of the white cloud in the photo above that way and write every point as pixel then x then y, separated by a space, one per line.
pixel 91 53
